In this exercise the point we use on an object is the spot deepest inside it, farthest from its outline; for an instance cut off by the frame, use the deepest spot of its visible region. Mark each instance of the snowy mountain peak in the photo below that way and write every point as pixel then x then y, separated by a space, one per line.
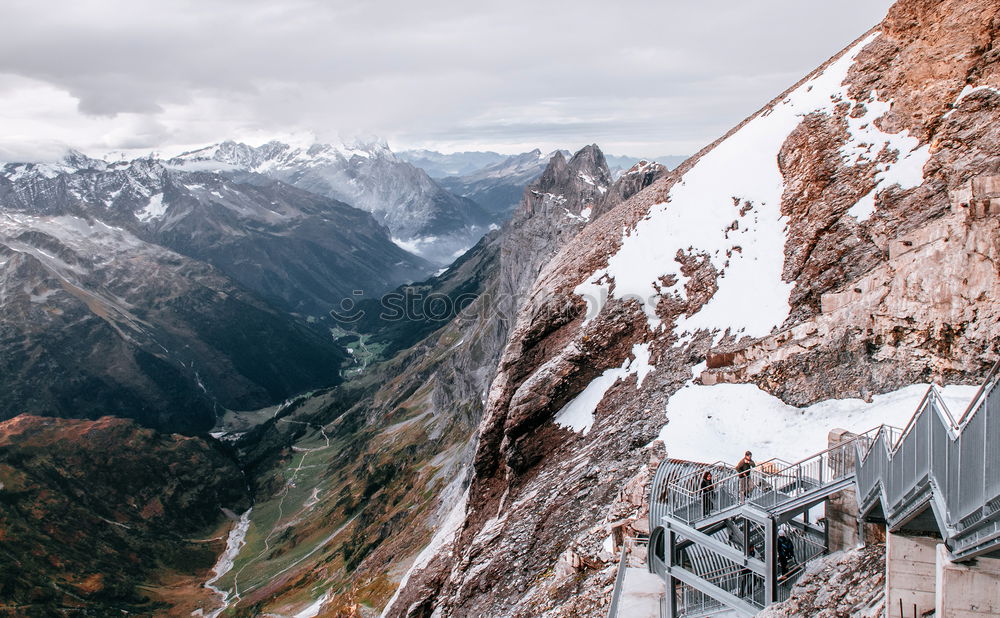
pixel 72 161
pixel 278 154
pixel 367 175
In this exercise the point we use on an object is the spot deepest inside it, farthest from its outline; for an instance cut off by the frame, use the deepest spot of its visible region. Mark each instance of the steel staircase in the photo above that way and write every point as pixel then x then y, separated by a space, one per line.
pixel 939 474
pixel 936 475
pixel 728 553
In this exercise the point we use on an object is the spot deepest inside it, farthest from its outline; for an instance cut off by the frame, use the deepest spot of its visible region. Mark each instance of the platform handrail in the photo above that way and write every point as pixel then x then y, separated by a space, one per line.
pixel 951 466
pixel 616 596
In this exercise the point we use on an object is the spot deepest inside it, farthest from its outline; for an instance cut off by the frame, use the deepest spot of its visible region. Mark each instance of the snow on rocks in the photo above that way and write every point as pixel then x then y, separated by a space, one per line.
pixel 727 208
pixel 867 143
pixel 578 414
pixel 966 92
pixel 153 210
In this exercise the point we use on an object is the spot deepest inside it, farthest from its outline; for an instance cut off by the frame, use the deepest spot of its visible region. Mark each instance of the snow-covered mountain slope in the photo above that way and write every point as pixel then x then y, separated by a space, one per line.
pixel 420 214
pixel 299 250
pixel 839 244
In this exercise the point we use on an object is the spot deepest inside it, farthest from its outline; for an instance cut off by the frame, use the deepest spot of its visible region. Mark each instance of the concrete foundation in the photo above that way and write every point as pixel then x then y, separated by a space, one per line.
pixel 844 530
pixel 967 590
pixel 910 575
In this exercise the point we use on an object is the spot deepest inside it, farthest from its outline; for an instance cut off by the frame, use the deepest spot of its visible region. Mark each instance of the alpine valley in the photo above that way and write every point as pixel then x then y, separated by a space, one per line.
pixel 309 379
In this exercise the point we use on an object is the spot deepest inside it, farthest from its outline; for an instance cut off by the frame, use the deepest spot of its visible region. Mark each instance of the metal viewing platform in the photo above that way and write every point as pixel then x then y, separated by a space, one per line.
pixel 717 551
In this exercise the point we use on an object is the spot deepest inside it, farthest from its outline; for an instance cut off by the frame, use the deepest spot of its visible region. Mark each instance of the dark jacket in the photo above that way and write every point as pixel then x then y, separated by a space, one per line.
pixel 785 548
pixel 745 466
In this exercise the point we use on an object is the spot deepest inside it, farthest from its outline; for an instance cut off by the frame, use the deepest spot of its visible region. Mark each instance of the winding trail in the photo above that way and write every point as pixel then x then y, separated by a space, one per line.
pixel 235 595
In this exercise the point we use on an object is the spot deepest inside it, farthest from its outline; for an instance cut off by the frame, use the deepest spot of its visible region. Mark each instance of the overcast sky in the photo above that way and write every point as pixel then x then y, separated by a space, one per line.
pixel 645 78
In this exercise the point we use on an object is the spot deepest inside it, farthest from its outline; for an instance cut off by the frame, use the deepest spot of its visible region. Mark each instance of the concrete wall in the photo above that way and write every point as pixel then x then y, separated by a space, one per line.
pixel 842 509
pixel 967 590
pixel 910 575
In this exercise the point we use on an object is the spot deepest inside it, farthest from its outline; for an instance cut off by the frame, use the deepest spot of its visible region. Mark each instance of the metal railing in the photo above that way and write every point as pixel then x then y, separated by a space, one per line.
pixel 955 465
pixel 766 486
pixel 775 487
pixel 616 596
pixel 672 472
pixel 625 560
pixel 694 602
pixel 723 573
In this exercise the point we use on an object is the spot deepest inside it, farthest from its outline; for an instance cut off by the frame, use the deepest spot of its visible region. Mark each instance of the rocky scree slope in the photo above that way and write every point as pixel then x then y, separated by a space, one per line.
pixel 841 242
pixel 104 517
pixel 419 213
pixel 401 433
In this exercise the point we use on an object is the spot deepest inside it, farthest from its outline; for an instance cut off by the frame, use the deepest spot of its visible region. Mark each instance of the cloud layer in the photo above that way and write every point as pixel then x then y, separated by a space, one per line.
pixel 646 78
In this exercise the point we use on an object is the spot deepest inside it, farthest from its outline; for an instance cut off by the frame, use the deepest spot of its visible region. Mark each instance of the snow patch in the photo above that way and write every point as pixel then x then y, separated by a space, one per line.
pixel 415 245
pixel 711 423
pixel 578 414
pixel 966 92
pixel 864 207
pixel 867 142
pixel 313 610
pixel 155 209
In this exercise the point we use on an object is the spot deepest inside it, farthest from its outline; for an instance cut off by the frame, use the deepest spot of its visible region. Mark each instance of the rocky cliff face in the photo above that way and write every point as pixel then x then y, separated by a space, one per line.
pixel 554 210
pixel 840 242
pixel 419 213
pixel 104 517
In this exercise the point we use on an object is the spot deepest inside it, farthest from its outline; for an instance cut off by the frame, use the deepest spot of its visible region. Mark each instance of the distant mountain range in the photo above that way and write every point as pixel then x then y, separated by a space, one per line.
pixel 496 182
pixel 163 293
pixel 168 290
pixel 421 215
pixel 442 165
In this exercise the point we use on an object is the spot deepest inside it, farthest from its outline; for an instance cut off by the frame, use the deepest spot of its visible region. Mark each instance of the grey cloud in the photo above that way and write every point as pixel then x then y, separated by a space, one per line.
pixel 432 71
